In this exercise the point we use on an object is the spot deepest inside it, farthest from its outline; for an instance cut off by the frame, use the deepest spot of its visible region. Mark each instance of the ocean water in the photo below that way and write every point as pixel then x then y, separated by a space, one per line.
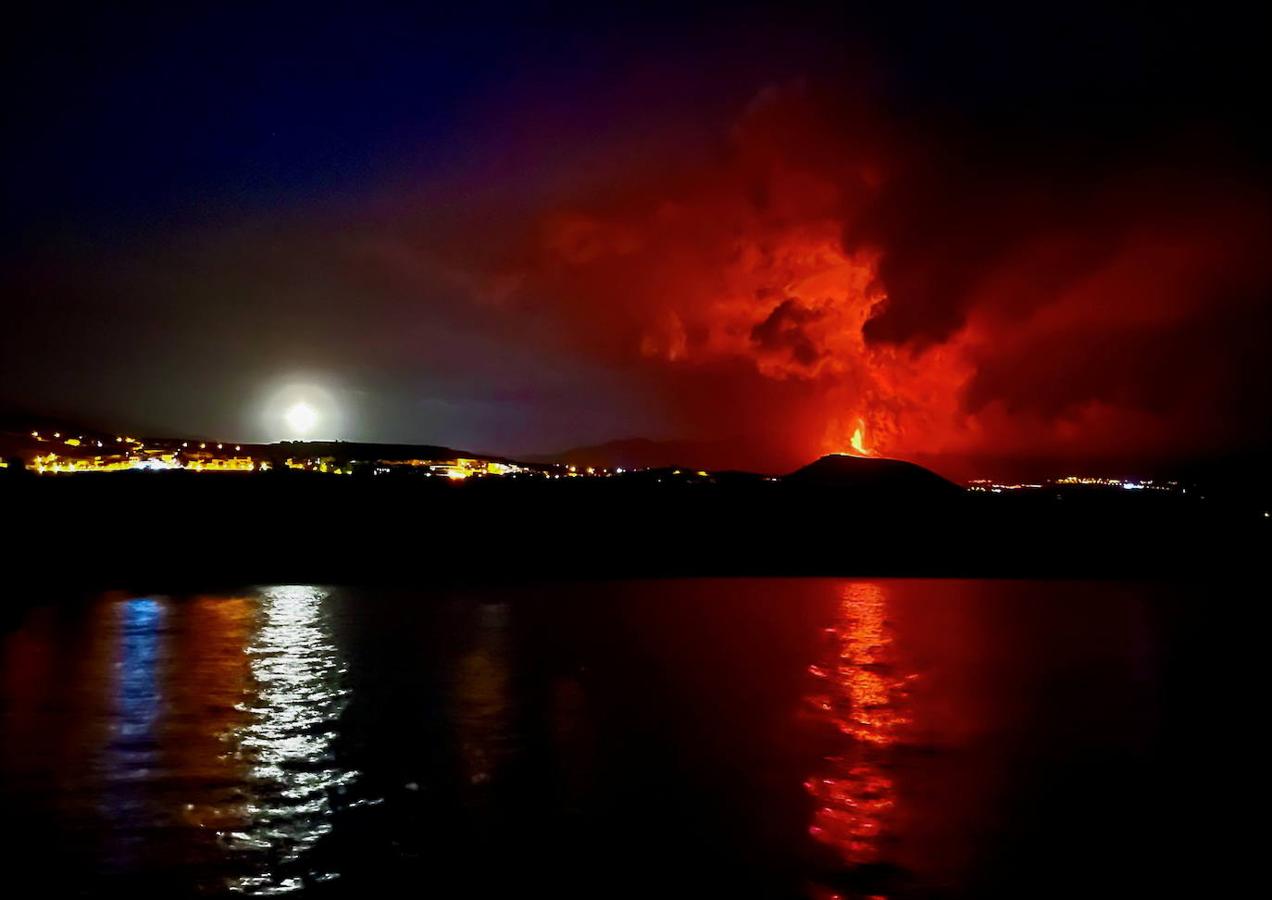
pixel 769 738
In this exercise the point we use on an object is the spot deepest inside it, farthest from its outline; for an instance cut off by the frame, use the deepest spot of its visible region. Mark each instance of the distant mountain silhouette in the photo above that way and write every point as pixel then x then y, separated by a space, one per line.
pixel 643 453
pixel 893 518
pixel 890 477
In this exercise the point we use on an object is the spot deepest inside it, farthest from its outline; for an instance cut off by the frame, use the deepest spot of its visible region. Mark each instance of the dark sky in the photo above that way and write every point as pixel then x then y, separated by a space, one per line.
pixel 980 238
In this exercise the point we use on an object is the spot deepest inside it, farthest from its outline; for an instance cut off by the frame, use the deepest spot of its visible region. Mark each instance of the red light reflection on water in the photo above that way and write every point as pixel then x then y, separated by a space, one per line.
pixel 863 695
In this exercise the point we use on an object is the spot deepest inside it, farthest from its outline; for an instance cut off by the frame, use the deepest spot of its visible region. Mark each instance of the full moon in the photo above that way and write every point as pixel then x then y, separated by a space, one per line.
pixel 301 408
pixel 301 418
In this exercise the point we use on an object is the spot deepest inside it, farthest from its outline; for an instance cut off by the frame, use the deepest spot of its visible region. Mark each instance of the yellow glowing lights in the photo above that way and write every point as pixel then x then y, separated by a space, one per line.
pixel 178 455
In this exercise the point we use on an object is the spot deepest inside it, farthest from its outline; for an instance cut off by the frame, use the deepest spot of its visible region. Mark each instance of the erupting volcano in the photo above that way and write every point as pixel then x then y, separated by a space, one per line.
pixel 567 378
pixel 820 281
pixel 766 248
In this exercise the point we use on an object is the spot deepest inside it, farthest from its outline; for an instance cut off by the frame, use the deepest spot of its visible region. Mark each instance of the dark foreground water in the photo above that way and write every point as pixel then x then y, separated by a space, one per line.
pixel 780 738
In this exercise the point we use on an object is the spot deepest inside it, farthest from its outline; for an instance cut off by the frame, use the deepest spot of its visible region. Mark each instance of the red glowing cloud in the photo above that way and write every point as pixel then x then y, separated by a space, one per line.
pixel 832 278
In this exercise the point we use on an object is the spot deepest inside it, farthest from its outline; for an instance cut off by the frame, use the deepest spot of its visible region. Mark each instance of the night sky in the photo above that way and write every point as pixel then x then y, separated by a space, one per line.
pixel 985 240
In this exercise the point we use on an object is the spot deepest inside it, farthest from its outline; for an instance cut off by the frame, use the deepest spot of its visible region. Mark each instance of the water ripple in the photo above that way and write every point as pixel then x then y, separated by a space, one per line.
pixel 299 696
